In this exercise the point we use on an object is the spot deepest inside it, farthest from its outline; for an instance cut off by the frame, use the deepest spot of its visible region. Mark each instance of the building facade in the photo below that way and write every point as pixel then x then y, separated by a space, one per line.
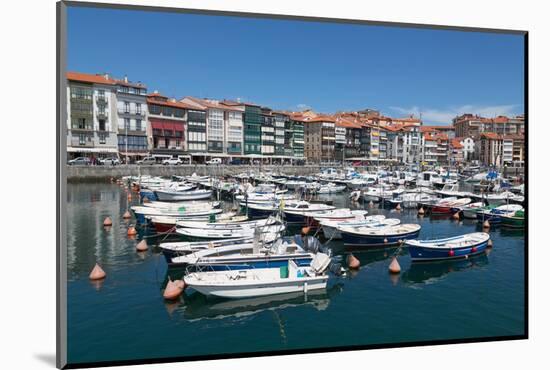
pixel 252 129
pixel 91 116
pixel 268 132
pixel 320 138
pixel 132 117
pixel 168 125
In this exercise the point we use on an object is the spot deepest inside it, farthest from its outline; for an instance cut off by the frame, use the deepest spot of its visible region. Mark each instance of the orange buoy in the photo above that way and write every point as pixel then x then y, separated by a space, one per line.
pixel 394 266
pixel 486 224
pixel 97 273
pixel 456 216
pixel 490 244
pixel 126 215
pixel 398 207
pixel 305 230
pixel 142 246
pixel 107 221
pixel 173 289
pixel 421 211
pixel 145 200
pixel 129 196
pixel 132 231
pixel 353 263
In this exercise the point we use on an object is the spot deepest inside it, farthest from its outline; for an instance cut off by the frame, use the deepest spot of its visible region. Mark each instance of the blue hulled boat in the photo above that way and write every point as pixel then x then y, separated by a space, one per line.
pixel 462 246
pixel 378 237
pixel 494 215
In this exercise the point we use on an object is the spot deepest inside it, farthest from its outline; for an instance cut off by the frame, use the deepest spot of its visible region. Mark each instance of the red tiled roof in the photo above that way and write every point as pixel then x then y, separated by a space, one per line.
pixel 321 118
pixel 90 78
pixel 168 103
pixel 491 135
pixel 455 144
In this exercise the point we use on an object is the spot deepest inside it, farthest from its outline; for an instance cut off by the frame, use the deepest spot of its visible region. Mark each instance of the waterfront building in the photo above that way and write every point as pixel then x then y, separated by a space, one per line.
pixel 268 132
pixel 131 109
pixel 429 149
pixel 468 148
pixel 513 150
pixel 456 152
pixel 91 116
pixel 474 125
pixel 252 129
pixel 282 122
pixel 224 124
pixel 168 125
pixel 319 138
pixel 490 149
pixel 339 141
pixel 298 135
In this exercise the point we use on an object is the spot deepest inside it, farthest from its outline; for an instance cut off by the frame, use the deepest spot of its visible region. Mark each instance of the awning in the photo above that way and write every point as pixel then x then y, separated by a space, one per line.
pixel 71 149
pixel 160 124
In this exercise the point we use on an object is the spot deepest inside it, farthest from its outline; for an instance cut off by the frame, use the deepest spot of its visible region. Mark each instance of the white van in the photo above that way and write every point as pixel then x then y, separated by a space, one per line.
pixel 214 161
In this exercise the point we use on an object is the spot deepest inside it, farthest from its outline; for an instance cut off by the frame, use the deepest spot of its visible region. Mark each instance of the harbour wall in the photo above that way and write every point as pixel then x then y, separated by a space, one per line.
pixel 102 173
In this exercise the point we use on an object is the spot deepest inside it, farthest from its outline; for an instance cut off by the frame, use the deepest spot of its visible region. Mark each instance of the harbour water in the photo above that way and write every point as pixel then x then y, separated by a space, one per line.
pixel 125 316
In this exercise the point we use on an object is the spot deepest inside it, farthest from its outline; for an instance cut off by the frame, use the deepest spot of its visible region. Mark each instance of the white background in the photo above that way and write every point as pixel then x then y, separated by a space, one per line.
pixel 27 121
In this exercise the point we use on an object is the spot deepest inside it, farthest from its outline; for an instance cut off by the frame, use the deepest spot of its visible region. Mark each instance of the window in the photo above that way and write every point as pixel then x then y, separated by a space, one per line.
pixel 102 138
pixel 138 125
pixel 101 125
pixel 127 123
pixel 126 107
pixel 138 108
pixel 82 139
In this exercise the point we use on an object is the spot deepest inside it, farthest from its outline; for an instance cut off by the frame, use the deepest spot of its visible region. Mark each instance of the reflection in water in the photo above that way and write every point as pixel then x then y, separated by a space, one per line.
pixel 198 307
pixel 430 272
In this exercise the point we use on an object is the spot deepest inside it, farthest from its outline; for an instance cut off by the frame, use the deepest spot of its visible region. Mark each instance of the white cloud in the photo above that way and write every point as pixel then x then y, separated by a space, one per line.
pixel 302 107
pixel 446 116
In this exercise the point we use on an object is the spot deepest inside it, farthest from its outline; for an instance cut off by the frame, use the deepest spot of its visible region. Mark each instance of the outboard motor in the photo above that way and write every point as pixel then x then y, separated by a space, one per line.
pixel 335 268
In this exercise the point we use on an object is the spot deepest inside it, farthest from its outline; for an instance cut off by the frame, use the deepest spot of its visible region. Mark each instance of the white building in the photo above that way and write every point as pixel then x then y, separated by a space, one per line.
pixel 468 148
pixel 91 116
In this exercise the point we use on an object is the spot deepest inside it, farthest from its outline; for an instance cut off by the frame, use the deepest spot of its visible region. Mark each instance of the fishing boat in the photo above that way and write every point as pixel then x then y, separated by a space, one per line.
pixel 494 215
pixel 378 237
pixel 445 207
pixel 339 214
pixel 175 249
pixel 228 233
pixel 261 281
pixel 470 210
pixel 331 228
pixel 189 205
pixel 165 224
pixel 517 220
pixel 462 246
pixel 409 200
pixel 329 188
pixel 296 213
pixel 232 224
pixel 172 196
pixel 143 213
pixel 242 257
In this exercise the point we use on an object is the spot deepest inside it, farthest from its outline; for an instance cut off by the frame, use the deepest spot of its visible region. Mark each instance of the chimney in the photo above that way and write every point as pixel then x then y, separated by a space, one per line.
pixel 106 76
pixel 155 92
pixel 125 78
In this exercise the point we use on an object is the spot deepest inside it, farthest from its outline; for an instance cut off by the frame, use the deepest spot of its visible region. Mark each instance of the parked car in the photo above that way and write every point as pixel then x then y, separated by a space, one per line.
pixel 83 161
pixel 113 161
pixel 214 161
pixel 172 162
pixel 235 162
pixel 147 161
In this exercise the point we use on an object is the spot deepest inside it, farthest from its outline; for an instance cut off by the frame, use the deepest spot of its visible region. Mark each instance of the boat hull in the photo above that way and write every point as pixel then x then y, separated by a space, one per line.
pixel 247 291
pixel 351 239
pixel 419 253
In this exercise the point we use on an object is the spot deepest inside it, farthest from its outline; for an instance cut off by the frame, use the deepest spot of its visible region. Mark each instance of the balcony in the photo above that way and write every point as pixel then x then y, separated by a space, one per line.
pixel 101 100
pixel 102 115
pixel 132 112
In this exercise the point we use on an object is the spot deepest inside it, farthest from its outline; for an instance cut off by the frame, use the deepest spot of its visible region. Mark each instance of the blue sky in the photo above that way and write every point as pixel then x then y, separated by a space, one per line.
pixel 291 65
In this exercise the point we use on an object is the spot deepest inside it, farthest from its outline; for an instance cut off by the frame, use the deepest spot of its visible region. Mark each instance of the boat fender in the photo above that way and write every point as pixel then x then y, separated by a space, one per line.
pixel 394 267
pixel 132 231
pixel 142 246
pixel 474 249
pixel 451 253
pixel 97 273
pixel 353 262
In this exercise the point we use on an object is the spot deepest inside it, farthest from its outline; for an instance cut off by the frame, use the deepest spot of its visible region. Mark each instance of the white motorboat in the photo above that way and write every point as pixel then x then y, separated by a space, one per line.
pixel 331 227
pixel 169 195
pixel 262 281
pixel 229 233
pixel 244 224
